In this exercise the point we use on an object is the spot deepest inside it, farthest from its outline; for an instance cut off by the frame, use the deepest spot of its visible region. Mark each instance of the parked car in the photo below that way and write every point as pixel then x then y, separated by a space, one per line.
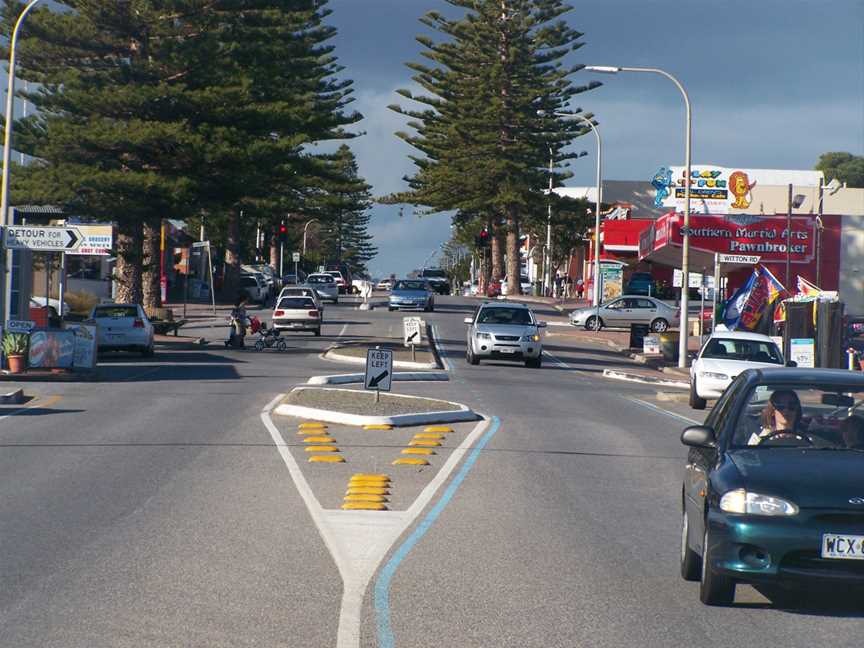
pixel 504 331
pixel 123 327
pixel 438 280
pixel 302 291
pixel 384 284
pixel 297 313
pixel 341 283
pixel 627 310
pixel 524 284
pixel 325 285
pixel 412 294
pixel 772 485
pixel 254 287
pixel 267 277
pixel 723 357
pixel 641 283
pixel 293 279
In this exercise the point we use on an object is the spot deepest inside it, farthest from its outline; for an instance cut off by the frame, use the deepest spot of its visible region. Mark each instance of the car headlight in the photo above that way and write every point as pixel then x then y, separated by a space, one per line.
pixel 715 376
pixel 531 338
pixel 483 336
pixel 743 501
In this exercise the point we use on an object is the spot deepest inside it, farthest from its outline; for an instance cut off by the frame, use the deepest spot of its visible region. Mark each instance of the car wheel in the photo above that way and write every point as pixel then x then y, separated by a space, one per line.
pixel 432 307
pixel 469 355
pixel 533 363
pixel 148 352
pixel 259 345
pixel 696 402
pixel 659 325
pixel 593 323
pixel 318 332
pixel 390 308
pixel 714 589
pixel 691 563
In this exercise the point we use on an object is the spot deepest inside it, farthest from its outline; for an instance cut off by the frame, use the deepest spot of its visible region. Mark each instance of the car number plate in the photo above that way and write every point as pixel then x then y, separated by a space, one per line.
pixel 507 350
pixel 848 547
pixel 296 325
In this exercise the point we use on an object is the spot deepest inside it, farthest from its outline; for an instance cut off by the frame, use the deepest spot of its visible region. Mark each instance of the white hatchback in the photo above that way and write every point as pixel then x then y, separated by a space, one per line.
pixel 297 313
pixel 725 355
pixel 302 291
pixel 123 327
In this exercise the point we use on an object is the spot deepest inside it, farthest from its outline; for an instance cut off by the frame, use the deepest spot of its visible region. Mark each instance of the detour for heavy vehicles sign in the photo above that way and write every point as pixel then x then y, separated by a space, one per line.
pixel 379 369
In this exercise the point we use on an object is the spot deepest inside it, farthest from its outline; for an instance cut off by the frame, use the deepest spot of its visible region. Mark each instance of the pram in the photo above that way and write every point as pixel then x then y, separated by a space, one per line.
pixel 267 337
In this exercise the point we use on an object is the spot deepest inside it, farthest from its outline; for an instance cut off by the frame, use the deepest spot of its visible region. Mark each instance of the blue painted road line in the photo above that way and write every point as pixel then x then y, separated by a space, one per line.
pixel 382 585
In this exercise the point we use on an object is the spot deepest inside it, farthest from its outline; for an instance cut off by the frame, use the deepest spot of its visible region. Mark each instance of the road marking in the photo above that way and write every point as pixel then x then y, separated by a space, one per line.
pixel 382 585
pixel 557 360
pixel 343 331
pixel 439 349
pixel 666 412
pixel 359 540
pixel 36 403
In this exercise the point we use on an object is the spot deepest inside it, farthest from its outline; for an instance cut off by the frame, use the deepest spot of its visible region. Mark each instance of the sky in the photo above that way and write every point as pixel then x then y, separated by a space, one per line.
pixel 772 84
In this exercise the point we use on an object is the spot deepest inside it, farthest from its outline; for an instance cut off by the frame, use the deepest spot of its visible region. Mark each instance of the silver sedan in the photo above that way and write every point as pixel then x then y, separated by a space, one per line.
pixel 626 310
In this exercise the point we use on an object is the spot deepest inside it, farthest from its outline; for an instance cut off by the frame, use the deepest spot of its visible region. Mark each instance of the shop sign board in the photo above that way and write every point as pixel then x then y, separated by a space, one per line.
pixel 651 345
pixel 84 353
pixel 96 240
pixel 52 349
pixel 611 281
pixel 20 326
pixel 695 280
pixel 720 190
pixel 803 352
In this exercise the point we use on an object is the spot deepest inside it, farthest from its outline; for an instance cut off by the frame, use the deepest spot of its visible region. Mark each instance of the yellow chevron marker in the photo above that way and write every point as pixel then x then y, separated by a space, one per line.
pixel 312 425
pixel 433 437
pixel 365 484
pixel 418 451
pixel 321 448
pixel 366 490
pixel 380 476
pixel 365 498
pixel 363 506
pixel 410 461
pixel 378 426
pixel 319 439
pixel 327 459
pixel 424 443
pixel 438 428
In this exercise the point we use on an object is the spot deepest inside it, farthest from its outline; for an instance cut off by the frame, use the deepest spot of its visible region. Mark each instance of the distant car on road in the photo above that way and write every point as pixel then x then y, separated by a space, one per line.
pixel 302 291
pixel 384 284
pixel 325 285
pixel 438 280
pixel 504 331
pixel 627 310
pixel 411 294
pixel 723 357
pixel 255 287
pixel 123 327
pixel 297 313
pixel 293 279
pixel 772 492
pixel 341 282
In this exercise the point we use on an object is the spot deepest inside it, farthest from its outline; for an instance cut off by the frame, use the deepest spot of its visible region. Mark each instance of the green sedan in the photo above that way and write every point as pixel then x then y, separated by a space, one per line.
pixel 773 489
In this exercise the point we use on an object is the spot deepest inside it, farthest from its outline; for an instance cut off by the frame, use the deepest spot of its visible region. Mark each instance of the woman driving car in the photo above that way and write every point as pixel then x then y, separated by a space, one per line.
pixel 781 416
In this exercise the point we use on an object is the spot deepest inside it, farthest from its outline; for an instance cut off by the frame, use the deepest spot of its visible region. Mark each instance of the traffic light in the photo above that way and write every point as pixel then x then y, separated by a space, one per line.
pixel 282 233
pixel 483 238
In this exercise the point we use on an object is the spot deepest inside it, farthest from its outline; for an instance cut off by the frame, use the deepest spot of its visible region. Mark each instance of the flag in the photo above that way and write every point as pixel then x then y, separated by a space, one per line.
pixel 735 305
pixel 806 288
pixel 766 290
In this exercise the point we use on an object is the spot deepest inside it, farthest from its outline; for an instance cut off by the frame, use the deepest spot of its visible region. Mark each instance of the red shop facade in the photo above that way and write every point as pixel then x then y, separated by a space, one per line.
pixel 745 234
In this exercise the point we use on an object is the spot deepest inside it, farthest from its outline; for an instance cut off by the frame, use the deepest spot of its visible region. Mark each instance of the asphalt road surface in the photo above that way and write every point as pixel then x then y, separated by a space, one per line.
pixel 154 509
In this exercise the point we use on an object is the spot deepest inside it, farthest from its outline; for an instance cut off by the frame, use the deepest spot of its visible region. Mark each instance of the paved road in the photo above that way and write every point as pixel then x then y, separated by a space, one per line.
pixel 154 510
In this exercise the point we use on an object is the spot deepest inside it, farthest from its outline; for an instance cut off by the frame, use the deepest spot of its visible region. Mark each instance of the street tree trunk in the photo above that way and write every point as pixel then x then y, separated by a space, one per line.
pixel 151 293
pixel 497 250
pixel 128 269
pixel 514 283
pixel 231 283
pixel 274 252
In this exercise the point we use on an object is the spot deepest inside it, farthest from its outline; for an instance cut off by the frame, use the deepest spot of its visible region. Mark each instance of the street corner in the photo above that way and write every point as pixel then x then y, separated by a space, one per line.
pixel 369 467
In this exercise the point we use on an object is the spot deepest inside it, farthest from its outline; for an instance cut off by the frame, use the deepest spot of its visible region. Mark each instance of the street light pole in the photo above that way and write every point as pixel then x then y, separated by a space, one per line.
pixel 305 227
pixel 547 274
pixel 685 236
pixel 5 283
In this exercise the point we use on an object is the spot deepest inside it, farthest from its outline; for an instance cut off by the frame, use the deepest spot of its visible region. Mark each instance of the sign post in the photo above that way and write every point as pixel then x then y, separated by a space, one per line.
pixel 296 257
pixel 412 334
pixel 206 244
pixel 379 371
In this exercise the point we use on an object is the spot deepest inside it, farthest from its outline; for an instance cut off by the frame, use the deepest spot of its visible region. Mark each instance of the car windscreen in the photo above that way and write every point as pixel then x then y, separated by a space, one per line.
pixel 296 303
pixel 297 292
pixel 745 350
pixel 437 274
pixel 504 316
pixel 815 416
pixel 115 311
pixel 410 285
pixel 320 279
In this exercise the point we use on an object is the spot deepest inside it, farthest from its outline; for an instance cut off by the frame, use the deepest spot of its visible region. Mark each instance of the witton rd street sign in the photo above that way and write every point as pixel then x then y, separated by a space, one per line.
pixel 379 369
pixel 742 259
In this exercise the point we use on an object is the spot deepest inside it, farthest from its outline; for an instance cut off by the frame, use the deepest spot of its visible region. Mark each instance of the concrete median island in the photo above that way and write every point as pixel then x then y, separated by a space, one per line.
pixel 358 407
pixel 355 353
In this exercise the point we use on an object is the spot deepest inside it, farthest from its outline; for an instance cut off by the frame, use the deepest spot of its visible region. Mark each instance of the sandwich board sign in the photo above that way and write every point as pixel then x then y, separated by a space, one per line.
pixel 379 369
pixel 411 326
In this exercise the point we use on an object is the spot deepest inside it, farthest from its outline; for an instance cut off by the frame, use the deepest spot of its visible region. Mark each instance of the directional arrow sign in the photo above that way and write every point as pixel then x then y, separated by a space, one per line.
pixel 379 369
pixel 41 239
pixel 411 327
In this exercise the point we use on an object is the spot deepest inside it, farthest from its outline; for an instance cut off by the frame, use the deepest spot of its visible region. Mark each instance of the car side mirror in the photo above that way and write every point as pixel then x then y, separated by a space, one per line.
pixel 699 436
pixel 468 320
pixel 541 324
pixel 791 363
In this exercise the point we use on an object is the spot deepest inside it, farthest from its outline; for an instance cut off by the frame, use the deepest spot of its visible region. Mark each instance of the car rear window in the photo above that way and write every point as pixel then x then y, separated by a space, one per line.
pixel 410 285
pixel 320 279
pixel 115 311
pixel 296 303
pixel 746 350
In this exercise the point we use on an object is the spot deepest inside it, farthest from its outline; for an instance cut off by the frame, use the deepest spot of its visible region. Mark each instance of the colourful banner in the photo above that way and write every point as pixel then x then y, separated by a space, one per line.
pixel 748 305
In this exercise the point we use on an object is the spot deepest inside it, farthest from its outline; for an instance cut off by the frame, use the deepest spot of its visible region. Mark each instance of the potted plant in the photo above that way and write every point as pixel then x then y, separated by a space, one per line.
pixel 15 350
